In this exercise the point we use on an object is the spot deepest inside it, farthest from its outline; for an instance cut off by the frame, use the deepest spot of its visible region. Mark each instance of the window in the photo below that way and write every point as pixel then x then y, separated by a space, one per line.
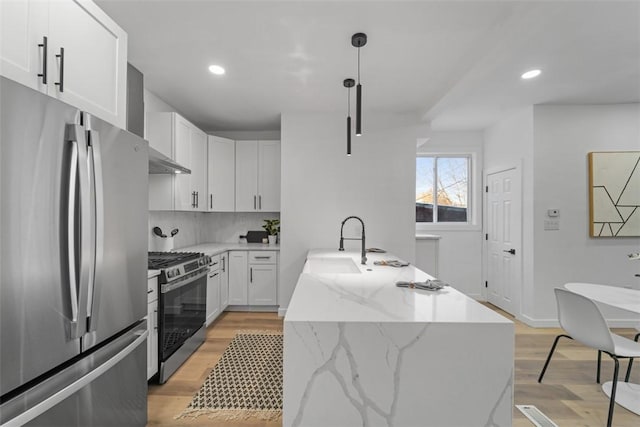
pixel 442 189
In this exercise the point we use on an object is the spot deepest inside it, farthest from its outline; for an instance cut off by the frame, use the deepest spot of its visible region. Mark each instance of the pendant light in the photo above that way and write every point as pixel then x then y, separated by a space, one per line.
pixel 358 40
pixel 349 83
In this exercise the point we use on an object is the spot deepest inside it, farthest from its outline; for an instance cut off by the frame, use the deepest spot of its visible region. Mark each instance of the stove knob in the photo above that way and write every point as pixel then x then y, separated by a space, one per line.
pixel 169 274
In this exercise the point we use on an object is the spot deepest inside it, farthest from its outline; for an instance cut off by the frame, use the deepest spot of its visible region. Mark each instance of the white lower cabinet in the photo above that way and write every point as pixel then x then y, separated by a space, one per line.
pixel 152 327
pixel 213 290
pixel 253 278
pixel 224 281
pixel 262 284
pixel 238 278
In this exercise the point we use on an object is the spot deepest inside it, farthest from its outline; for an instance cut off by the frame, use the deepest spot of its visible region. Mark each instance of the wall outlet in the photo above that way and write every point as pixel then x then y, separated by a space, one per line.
pixel 551 224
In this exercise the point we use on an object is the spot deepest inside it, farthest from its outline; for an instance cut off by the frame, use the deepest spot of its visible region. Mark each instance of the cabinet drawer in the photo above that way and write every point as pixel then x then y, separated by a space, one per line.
pixel 262 257
pixel 152 289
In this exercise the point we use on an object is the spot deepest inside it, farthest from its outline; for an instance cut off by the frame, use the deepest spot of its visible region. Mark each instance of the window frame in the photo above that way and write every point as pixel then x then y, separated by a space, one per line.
pixel 470 223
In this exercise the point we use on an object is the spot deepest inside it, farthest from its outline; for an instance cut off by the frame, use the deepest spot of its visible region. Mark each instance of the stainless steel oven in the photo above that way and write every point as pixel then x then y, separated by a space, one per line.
pixel 182 308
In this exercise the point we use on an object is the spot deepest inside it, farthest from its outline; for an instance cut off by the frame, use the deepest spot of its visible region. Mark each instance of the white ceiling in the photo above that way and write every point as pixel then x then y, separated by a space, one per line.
pixel 453 63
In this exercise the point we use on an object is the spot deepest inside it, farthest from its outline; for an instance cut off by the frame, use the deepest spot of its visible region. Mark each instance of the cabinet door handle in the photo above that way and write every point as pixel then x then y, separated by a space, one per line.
pixel 44 47
pixel 251 275
pixel 224 264
pixel 213 275
pixel 149 291
pixel 260 202
pixel 210 201
pixel 262 257
pixel 254 202
pixel 60 84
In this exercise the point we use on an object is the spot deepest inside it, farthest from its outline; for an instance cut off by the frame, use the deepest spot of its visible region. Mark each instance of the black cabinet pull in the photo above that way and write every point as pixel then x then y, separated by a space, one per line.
pixel 260 202
pixel 251 278
pixel 224 264
pixel 254 202
pixel 60 84
pixel 210 201
pixel 197 199
pixel 44 47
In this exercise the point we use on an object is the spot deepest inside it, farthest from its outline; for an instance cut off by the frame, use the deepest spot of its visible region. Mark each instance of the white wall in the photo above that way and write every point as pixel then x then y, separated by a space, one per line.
pixel 460 248
pixel 551 143
pixel 563 137
pixel 321 186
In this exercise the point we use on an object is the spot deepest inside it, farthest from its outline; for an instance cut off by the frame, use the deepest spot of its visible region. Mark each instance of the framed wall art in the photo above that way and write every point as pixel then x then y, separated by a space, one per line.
pixel 614 194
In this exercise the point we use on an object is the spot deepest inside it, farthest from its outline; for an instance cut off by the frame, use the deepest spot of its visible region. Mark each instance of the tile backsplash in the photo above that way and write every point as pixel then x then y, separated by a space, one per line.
pixel 200 227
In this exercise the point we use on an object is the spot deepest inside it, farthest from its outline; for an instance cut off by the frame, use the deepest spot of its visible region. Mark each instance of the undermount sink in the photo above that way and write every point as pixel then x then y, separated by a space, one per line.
pixel 341 265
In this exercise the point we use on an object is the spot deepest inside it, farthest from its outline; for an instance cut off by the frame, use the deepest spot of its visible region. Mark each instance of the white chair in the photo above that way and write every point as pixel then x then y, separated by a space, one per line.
pixel 583 321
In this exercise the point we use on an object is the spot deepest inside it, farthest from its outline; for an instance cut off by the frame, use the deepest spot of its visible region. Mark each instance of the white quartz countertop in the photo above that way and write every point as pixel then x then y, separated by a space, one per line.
pixel 152 273
pixel 215 248
pixel 372 296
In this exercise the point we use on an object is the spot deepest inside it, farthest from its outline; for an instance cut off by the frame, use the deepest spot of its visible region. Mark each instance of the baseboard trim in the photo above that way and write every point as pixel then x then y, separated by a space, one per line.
pixel 553 323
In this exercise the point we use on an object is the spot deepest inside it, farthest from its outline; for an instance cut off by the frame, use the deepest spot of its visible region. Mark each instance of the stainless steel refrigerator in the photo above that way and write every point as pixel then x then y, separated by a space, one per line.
pixel 73 266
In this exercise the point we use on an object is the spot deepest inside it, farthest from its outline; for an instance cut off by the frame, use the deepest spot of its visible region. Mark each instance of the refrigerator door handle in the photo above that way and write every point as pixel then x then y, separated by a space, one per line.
pixel 60 395
pixel 97 228
pixel 86 225
pixel 71 237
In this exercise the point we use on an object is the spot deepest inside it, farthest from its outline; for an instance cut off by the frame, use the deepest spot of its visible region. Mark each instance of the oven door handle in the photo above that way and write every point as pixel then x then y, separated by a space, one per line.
pixel 187 280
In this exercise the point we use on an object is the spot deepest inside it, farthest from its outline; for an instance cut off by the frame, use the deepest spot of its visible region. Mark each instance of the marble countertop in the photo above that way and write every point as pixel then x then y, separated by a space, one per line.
pixel 152 273
pixel 372 296
pixel 214 248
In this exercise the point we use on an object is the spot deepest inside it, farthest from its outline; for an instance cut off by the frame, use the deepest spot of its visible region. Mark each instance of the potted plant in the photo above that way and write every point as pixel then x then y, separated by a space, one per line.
pixel 272 227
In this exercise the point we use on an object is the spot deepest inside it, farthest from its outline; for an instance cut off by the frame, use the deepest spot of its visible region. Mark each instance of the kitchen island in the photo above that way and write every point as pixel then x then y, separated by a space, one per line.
pixel 360 351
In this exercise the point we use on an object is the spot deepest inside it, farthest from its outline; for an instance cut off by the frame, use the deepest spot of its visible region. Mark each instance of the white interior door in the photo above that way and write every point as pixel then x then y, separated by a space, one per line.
pixel 504 230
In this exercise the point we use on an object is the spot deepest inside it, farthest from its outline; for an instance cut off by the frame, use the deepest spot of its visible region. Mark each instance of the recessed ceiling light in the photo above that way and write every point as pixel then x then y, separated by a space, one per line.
pixel 216 69
pixel 531 74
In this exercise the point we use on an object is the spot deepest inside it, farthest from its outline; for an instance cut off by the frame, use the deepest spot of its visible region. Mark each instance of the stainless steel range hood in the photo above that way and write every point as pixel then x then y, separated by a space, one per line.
pixel 161 164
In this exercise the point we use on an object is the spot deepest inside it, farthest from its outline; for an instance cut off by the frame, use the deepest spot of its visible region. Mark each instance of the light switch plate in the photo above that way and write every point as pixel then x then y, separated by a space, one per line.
pixel 551 224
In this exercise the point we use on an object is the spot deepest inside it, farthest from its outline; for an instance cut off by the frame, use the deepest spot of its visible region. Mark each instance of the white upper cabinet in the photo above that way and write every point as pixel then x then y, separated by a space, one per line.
pixel 24 26
pixel 257 176
pixel 68 49
pixel 199 168
pixel 269 176
pixel 221 174
pixel 178 139
pixel 246 176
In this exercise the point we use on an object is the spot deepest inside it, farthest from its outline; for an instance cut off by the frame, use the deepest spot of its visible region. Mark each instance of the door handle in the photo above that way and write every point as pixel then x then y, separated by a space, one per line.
pixel 60 84
pixel 511 251
pixel 251 275
pixel 44 47
pixel 210 201
pixel 254 202
pixel 260 202
pixel 71 237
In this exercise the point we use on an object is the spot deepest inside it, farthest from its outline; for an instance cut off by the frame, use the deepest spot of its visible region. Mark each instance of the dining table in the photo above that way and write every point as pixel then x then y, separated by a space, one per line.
pixel 627 393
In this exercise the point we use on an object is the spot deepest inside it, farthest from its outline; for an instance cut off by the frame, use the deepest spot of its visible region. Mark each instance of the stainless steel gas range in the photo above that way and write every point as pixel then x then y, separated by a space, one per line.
pixel 182 310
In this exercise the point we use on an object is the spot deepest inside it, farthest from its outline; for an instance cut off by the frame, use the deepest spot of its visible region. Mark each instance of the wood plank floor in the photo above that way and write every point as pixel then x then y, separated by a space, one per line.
pixel 569 394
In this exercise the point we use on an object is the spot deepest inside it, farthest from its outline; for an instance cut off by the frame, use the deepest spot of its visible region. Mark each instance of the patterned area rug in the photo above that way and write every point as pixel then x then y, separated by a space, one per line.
pixel 246 382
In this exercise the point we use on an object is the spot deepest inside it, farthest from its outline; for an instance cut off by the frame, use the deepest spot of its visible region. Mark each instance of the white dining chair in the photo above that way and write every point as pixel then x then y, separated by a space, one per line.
pixel 581 318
